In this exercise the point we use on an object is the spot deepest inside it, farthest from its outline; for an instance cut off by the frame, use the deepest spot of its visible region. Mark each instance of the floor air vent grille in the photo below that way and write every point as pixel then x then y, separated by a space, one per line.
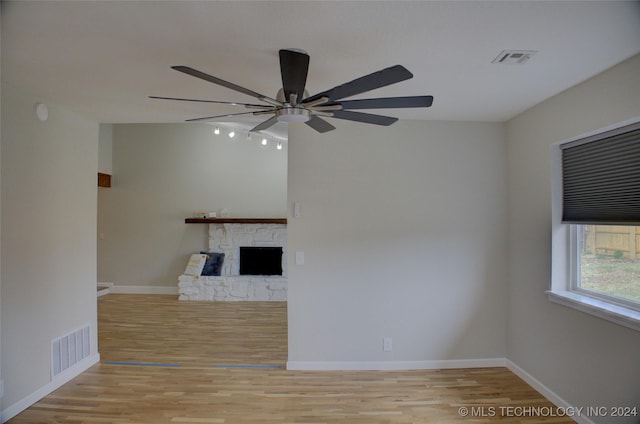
pixel 70 349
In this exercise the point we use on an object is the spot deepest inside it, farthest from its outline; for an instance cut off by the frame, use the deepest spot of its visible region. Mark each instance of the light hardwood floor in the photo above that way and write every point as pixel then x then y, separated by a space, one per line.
pixel 161 329
pixel 200 336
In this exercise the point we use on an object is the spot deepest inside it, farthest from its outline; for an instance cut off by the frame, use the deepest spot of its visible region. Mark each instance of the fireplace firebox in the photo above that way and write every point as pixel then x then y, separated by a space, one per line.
pixel 260 260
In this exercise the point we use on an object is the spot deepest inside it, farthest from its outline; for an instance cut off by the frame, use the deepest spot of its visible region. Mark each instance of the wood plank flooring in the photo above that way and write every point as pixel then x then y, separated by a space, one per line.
pixel 135 328
pixel 161 329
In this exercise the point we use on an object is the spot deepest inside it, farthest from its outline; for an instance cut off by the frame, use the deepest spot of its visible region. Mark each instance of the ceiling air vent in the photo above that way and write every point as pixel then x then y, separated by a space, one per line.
pixel 514 57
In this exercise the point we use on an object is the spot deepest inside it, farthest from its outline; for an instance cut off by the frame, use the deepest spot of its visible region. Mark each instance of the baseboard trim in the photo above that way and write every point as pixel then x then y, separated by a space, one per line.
pixel 104 289
pixel 104 292
pixel 393 365
pixel 61 379
pixel 547 392
pixel 144 290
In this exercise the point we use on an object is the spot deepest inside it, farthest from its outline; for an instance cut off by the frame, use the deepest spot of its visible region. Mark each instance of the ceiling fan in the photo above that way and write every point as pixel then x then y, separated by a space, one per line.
pixel 293 103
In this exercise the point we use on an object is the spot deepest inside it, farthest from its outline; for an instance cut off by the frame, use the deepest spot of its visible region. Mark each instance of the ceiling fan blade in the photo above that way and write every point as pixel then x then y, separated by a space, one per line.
pixel 294 67
pixel 316 102
pixel 195 73
pixel 325 108
pixel 320 124
pixel 367 118
pixel 228 115
pixel 207 101
pixel 265 124
pixel 388 103
pixel 369 82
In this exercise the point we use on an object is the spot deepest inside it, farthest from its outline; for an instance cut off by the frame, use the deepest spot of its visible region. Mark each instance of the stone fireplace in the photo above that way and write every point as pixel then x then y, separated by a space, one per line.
pixel 228 238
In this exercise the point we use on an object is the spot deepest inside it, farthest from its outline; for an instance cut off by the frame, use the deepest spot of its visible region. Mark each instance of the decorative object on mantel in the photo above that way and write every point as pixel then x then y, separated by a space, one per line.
pixel 104 180
pixel 199 214
pixel 235 221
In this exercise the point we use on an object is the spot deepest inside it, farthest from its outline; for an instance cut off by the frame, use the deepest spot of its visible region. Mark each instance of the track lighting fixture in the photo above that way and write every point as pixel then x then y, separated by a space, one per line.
pixel 264 140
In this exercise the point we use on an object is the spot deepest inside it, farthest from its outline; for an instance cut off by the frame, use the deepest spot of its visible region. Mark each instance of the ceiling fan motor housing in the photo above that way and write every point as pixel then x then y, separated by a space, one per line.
pixel 293 114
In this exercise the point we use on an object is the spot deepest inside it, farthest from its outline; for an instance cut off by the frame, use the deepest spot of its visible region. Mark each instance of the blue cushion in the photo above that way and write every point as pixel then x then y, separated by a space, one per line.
pixel 213 265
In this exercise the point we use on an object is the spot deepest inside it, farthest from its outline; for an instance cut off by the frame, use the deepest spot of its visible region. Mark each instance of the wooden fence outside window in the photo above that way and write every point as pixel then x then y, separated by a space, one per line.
pixel 612 240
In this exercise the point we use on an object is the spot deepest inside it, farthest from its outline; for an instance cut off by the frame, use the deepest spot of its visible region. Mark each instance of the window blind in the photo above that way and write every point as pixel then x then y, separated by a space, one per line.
pixel 601 178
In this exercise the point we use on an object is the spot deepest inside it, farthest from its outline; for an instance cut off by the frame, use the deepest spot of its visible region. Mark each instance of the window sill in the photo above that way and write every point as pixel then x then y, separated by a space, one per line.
pixel 599 308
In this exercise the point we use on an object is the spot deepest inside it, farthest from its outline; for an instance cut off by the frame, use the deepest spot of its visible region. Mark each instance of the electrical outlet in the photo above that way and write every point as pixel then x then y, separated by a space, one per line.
pixel 387 344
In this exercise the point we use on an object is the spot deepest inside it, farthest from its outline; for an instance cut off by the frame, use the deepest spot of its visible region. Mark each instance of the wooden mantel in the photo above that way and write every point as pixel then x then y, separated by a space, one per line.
pixel 235 221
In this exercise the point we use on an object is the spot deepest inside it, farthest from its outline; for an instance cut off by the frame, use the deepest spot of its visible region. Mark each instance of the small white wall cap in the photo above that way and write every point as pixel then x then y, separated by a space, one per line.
pixel 41 111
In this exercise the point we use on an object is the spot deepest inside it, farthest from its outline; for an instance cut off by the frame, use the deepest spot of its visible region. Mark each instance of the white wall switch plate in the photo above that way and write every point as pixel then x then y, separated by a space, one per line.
pixel 299 258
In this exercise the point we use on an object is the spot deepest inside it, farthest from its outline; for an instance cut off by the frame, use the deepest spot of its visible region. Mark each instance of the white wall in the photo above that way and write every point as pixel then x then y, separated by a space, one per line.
pixel 404 234
pixel 105 149
pixel 585 360
pixel 48 237
pixel 1 377
pixel 162 173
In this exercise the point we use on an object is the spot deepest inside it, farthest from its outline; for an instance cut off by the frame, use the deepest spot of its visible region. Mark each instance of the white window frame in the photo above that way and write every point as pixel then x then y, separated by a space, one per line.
pixel 565 264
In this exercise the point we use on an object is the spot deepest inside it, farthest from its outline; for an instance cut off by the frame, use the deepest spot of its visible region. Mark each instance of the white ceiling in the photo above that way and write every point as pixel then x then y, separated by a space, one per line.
pixel 104 58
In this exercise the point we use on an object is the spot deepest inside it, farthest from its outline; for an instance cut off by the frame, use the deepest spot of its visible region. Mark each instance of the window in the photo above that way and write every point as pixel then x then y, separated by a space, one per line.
pixel 596 224
pixel 608 259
